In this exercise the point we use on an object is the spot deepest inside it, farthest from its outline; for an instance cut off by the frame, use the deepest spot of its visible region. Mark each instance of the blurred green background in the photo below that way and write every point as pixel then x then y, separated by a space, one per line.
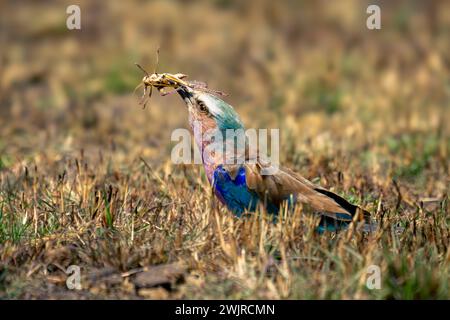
pixel 311 68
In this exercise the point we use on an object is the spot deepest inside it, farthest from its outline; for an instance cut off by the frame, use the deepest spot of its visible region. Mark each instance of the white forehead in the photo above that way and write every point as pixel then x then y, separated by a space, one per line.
pixel 211 102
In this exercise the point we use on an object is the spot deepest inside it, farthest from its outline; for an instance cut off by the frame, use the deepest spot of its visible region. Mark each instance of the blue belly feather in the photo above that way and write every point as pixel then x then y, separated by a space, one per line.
pixel 235 193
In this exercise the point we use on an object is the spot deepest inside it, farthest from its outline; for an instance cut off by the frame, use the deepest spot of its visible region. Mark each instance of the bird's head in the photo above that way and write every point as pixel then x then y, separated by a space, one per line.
pixel 208 117
pixel 209 111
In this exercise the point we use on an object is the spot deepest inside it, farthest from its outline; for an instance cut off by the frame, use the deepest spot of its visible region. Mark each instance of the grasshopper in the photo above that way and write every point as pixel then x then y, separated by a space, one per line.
pixel 168 80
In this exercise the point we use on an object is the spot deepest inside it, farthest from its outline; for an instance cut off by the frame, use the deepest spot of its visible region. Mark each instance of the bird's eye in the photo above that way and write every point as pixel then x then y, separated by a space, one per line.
pixel 202 106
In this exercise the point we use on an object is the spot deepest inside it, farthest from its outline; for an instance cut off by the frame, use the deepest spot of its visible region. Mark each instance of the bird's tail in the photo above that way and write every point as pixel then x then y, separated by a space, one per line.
pixel 328 224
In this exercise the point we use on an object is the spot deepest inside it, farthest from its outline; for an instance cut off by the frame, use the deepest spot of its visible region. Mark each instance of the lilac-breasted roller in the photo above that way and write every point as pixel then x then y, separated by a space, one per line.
pixel 242 186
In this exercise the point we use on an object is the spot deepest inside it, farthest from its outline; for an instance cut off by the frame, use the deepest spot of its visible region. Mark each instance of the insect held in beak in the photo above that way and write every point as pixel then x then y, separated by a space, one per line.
pixel 168 80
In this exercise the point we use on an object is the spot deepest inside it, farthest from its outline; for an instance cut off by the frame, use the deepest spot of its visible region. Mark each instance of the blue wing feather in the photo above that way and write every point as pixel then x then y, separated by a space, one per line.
pixel 235 194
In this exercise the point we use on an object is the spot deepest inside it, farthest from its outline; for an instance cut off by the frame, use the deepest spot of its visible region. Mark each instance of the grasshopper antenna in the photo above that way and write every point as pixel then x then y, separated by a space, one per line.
pixel 139 66
pixel 157 60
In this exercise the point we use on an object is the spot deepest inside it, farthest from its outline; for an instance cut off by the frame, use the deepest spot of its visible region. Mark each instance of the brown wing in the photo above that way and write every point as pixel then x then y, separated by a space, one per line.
pixel 284 182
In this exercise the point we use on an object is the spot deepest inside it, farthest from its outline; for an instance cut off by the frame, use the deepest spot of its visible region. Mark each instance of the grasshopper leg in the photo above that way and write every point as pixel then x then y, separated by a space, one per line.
pixel 143 95
pixel 149 96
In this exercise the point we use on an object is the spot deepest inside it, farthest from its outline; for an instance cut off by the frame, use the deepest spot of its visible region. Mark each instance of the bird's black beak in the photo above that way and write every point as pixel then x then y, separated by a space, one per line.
pixel 186 94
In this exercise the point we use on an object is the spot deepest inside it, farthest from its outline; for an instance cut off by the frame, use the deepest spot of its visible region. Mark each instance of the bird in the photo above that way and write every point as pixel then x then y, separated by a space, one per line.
pixel 242 186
